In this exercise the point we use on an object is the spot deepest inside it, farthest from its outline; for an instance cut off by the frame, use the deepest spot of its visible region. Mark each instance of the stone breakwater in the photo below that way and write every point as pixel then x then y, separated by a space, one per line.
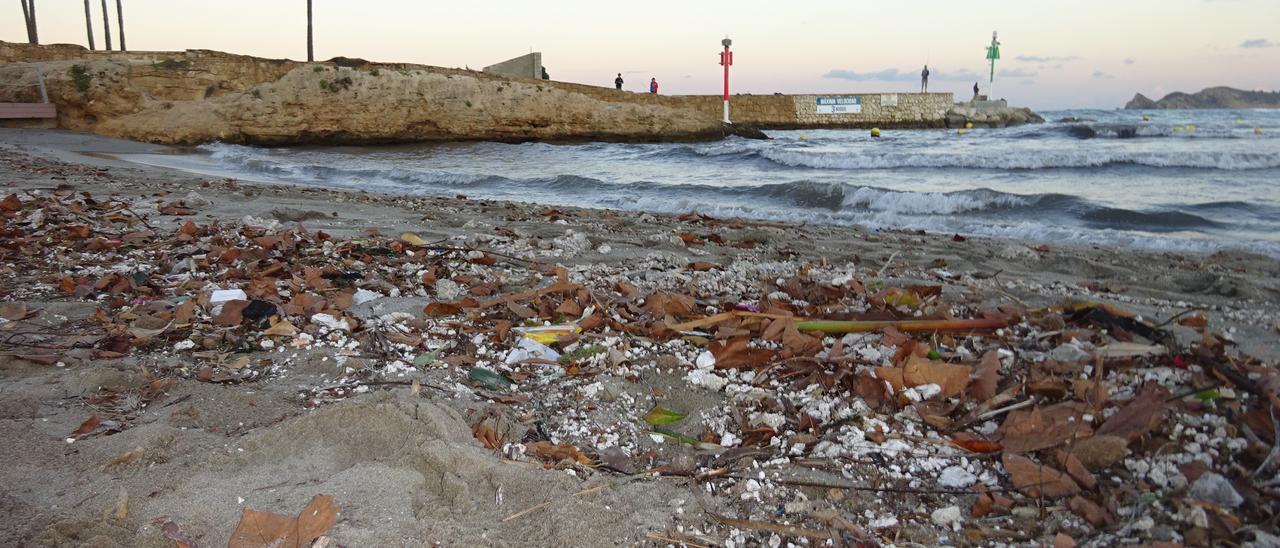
pixel 199 96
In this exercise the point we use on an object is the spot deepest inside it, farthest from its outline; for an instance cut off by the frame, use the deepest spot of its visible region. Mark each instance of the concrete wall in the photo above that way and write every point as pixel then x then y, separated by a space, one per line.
pixel 524 66
pixel 888 110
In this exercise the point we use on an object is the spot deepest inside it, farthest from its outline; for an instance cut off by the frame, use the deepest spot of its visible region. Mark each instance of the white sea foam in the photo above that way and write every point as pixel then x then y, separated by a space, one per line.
pixel 1041 159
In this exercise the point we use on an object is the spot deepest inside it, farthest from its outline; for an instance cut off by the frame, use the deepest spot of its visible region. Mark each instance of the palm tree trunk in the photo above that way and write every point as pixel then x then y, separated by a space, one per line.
pixel 120 22
pixel 106 25
pixel 311 55
pixel 33 35
pixel 26 18
pixel 88 24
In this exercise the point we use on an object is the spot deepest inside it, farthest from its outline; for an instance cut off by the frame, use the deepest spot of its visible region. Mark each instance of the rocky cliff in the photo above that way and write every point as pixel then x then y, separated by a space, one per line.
pixel 198 96
pixel 1218 97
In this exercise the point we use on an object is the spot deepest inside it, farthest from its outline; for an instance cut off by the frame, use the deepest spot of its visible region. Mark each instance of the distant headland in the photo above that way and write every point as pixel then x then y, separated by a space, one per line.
pixel 1216 97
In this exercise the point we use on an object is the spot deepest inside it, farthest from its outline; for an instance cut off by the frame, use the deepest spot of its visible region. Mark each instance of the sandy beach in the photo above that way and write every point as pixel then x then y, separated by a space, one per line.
pixel 367 393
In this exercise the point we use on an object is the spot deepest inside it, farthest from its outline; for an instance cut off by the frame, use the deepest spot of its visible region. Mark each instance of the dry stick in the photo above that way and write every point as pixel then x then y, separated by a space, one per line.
pixel 660 538
pixel 715 319
pixel 532 293
pixel 810 483
pixel 1007 408
pixel 893 256
pixel 906 326
pixel 141 218
pixel 772 527
pixel 548 503
pixel 485 251
pixel 1175 317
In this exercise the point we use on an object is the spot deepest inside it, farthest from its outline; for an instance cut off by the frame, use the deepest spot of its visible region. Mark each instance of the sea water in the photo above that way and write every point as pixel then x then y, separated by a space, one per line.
pixel 1188 180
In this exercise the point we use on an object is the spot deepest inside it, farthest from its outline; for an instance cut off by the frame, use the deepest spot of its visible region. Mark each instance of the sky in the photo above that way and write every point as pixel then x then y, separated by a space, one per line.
pixel 1055 53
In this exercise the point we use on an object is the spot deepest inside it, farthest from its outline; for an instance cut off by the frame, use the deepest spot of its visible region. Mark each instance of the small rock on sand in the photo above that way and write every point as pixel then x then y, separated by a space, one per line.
pixel 1214 488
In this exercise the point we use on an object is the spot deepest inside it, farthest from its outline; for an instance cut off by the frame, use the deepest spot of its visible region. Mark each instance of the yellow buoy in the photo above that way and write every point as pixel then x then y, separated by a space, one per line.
pixel 875 132
pixel 1257 131
pixel 960 131
pixel 1177 129
pixel 802 137
pixel 1146 118
pixel 1191 127
pixel 968 125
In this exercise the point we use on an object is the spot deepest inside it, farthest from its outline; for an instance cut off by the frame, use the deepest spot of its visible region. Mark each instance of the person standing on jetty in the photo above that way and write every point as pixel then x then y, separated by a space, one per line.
pixel 653 85
pixel 924 80
pixel 975 91
pixel 617 82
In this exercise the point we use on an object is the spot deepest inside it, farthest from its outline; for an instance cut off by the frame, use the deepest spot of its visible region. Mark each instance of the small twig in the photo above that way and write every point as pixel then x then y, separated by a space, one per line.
pixel 893 256
pixel 485 251
pixel 790 530
pixel 677 542
pixel 141 218
pixel 1007 408
pixel 1193 391
pixel 811 483
pixel 1275 447
pixel 1181 314
pixel 548 503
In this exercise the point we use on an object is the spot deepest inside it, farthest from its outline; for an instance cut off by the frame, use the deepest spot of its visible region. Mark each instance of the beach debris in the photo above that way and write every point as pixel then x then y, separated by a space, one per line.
pixel 786 373
pixel 173 532
pixel 556 453
pixel 528 349
pixel 659 416
pixel 489 379
pixel 258 528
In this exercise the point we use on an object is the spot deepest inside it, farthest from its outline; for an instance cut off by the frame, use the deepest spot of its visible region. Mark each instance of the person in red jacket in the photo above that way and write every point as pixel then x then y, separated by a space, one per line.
pixel 653 85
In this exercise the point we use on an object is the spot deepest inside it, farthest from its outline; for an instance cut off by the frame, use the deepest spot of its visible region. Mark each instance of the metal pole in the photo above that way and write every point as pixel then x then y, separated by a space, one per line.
pixel 993 53
pixel 44 94
pixel 726 59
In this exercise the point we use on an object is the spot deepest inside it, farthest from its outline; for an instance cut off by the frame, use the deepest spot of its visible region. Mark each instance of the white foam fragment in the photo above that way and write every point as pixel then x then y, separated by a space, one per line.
pixel 956 477
pixel 364 295
pixel 222 296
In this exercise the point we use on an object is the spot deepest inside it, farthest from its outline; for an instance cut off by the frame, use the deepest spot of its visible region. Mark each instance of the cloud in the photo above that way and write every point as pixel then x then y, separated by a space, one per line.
pixel 1256 43
pixel 1129 61
pixel 895 75
pixel 1102 75
pixel 1014 73
pixel 1046 59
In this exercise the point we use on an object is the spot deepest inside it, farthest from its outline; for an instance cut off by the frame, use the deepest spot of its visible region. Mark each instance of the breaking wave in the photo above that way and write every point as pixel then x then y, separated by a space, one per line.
pixel 1041 159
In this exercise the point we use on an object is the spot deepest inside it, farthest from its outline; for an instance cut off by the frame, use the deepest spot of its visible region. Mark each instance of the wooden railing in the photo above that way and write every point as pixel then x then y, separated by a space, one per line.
pixel 43 109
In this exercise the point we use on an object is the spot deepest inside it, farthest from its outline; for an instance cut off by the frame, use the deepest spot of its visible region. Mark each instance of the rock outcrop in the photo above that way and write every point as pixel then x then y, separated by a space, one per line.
pixel 1216 97
pixel 990 114
pixel 199 96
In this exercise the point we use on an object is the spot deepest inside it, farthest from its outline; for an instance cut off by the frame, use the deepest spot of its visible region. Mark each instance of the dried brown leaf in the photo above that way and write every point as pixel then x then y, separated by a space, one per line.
pixel 13 311
pixel 987 378
pixel 665 303
pixel 87 426
pixel 952 378
pixel 231 314
pixel 555 453
pixel 442 309
pixel 737 354
pixel 11 203
pixel 487 436
pixel 1141 415
pixel 1035 479
pixel 1090 511
pixel 270 529
pixel 1039 428
pixel 172 532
